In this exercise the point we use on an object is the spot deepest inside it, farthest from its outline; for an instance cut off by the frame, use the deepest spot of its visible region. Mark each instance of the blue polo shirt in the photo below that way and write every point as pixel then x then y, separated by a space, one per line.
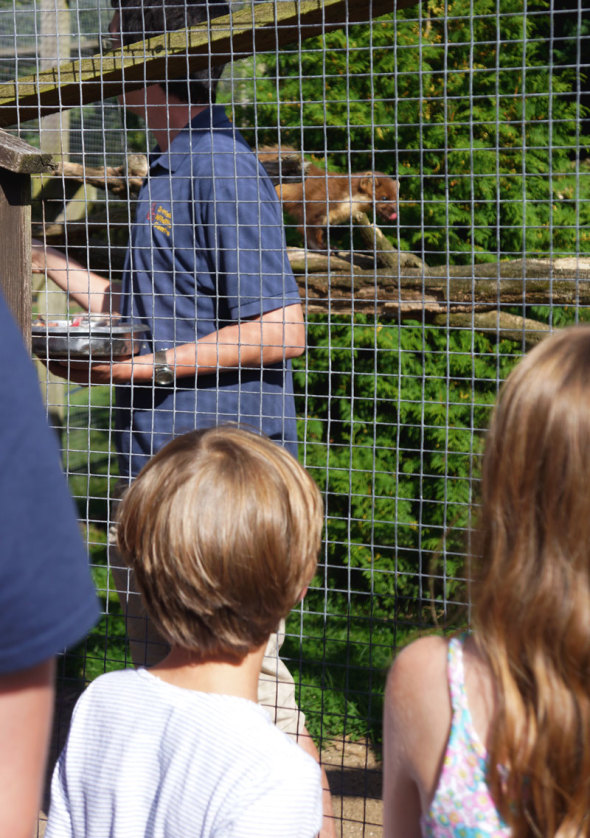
pixel 207 249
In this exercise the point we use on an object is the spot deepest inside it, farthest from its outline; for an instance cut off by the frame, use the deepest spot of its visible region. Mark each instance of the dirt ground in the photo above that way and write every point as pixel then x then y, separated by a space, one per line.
pixel 354 775
pixel 353 772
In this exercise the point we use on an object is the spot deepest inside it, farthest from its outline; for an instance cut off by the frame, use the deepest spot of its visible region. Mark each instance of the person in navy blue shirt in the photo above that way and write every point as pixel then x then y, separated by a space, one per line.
pixel 47 598
pixel 207 272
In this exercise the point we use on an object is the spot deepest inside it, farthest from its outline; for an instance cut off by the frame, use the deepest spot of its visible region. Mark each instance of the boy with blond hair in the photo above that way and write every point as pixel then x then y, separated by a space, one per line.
pixel 222 529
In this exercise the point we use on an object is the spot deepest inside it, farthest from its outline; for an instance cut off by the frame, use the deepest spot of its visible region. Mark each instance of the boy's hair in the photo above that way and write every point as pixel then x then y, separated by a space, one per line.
pixel 222 528
pixel 531 596
pixel 141 19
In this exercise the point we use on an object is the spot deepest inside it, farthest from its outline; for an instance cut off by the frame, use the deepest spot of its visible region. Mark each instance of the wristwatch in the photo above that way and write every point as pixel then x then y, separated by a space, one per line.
pixel 163 372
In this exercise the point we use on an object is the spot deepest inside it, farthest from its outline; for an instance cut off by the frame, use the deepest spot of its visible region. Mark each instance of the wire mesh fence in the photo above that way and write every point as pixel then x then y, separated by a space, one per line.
pixel 433 169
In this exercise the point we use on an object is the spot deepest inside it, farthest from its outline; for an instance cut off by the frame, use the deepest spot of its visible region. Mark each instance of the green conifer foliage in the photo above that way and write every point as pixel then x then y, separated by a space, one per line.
pixel 472 110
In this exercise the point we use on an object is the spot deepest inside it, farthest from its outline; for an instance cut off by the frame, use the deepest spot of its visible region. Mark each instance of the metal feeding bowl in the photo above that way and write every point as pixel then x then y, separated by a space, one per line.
pixel 94 337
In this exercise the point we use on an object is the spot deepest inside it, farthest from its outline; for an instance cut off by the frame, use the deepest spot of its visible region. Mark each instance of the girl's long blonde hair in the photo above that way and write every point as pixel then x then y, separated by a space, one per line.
pixel 531 592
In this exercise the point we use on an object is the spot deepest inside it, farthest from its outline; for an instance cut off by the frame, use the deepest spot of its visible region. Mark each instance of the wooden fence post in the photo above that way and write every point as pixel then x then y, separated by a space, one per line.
pixel 18 161
pixel 54 137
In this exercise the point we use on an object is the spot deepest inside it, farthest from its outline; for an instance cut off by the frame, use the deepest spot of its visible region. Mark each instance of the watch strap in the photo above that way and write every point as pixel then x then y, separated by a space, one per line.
pixel 160 359
pixel 163 372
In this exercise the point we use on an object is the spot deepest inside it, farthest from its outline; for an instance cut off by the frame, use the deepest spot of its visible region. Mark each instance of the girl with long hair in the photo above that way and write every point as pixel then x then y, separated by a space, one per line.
pixel 488 734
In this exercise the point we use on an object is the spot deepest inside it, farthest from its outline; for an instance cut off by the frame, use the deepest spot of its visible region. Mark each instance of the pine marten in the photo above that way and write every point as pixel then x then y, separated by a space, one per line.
pixel 324 198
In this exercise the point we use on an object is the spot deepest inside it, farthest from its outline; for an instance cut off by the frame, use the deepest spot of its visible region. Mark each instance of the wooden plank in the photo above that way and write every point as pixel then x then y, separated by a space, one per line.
pixel 18 156
pixel 15 255
pixel 267 26
pixel 23 53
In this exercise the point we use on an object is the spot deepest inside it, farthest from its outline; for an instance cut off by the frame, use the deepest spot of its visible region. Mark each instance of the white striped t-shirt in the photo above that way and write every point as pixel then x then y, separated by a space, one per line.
pixel 146 758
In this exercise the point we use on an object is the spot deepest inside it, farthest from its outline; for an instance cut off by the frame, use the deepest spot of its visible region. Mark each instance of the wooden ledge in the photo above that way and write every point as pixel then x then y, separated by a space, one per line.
pixel 21 158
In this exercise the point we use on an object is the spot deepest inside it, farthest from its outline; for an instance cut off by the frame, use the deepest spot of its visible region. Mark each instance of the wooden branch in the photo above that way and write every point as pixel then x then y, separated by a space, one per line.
pixel 534 281
pixel 355 293
pixel 330 283
pixel 501 323
pixel 312 261
pixel 386 256
pixel 262 27
pixel 120 180
pixel 283 166
pixel 398 272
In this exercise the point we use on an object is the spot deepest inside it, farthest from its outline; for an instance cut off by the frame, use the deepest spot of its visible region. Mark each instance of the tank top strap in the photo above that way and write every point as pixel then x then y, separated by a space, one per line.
pixel 462 806
pixel 456 676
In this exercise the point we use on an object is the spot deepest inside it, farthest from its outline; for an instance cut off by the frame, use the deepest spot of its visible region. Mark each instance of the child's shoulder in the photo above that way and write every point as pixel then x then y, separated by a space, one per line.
pixel 124 678
pixel 102 690
pixel 417 666
pixel 274 781
pixel 243 729
pixel 417 704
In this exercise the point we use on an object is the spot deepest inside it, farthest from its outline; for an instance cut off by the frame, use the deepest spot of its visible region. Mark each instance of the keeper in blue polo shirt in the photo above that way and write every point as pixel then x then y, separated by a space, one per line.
pixel 207 272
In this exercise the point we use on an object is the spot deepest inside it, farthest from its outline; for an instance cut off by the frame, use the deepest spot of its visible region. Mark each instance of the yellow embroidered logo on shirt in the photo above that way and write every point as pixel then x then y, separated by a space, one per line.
pixel 161 218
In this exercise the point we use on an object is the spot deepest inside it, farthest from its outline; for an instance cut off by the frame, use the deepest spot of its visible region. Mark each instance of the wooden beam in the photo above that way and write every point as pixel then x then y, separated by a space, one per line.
pixel 264 27
pixel 19 157
pixel 15 256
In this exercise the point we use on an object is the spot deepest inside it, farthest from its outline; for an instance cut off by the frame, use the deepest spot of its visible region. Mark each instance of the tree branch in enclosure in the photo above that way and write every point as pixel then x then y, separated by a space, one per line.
pixel 454 295
pixel 386 256
pixel 122 181
pixel 502 323
pixel 334 282
pixel 378 280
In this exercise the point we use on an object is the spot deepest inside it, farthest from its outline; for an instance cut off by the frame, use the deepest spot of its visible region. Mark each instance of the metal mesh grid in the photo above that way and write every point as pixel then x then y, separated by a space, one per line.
pixel 479 110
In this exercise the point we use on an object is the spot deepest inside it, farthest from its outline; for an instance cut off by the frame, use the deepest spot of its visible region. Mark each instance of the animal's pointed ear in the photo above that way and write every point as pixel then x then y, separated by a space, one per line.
pixel 366 182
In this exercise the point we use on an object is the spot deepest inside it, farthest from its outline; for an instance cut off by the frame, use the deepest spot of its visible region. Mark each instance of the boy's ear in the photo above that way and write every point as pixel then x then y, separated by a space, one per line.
pixel 301 596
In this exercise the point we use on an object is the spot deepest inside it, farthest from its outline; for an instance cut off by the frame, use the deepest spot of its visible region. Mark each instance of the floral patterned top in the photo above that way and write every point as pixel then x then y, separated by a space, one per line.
pixel 462 806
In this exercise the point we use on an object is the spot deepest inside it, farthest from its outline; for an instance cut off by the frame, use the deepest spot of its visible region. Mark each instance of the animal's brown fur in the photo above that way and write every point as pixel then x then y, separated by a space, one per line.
pixel 324 198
